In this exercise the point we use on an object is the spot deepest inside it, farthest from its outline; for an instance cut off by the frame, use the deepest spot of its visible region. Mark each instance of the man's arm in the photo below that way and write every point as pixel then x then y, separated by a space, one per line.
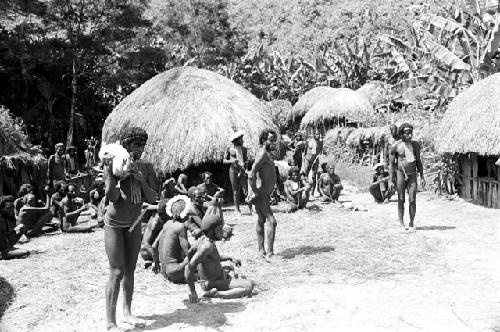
pixel 183 240
pixel 72 214
pixel 235 261
pixel 48 201
pixel 227 158
pixel 392 161
pixel 50 166
pixel 418 161
pixel 320 186
pixel 200 255
pixel 257 166
pixel 156 253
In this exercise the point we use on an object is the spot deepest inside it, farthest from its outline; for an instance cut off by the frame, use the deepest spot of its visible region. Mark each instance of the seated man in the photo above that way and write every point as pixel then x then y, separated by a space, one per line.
pixel 24 190
pixel 98 201
pixel 200 210
pixel 71 213
pixel 380 186
pixel 329 185
pixel 9 233
pixel 168 189
pixel 33 218
pixel 57 197
pixel 296 190
pixel 206 259
pixel 181 185
pixel 212 194
pixel 170 248
pixel 150 232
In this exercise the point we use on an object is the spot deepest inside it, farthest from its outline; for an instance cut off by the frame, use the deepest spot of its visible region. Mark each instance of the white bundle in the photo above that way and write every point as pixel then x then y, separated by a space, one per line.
pixel 122 160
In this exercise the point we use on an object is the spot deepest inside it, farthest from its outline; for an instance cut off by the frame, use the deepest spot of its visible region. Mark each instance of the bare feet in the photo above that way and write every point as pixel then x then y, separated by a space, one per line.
pixel 262 253
pixel 114 328
pixel 211 293
pixel 134 321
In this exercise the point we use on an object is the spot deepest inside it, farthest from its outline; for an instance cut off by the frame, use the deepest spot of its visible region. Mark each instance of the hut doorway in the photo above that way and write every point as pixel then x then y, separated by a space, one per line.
pixel 480 179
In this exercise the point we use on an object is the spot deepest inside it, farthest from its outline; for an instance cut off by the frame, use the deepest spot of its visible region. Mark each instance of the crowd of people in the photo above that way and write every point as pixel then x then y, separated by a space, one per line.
pixel 175 231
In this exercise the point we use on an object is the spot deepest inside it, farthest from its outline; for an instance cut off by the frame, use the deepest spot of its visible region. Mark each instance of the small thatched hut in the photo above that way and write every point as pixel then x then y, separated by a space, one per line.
pixel 338 107
pixel 471 129
pixel 304 104
pixel 19 162
pixel 376 92
pixel 189 114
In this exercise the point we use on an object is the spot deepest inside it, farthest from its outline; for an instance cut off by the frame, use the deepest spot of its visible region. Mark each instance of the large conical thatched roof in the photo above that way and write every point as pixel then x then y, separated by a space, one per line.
pixel 336 104
pixel 376 92
pixel 472 121
pixel 189 114
pixel 307 101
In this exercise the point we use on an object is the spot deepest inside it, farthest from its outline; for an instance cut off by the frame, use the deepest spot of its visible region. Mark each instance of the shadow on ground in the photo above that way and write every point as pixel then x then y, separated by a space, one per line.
pixel 205 313
pixel 435 228
pixel 7 294
pixel 304 250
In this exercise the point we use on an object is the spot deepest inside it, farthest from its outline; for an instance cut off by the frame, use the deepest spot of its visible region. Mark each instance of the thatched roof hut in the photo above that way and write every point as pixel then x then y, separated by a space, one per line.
pixel 305 103
pixel 375 135
pixel 189 114
pixel 338 105
pixel 472 121
pixel 376 92
pixel 471 129
pixel 19 162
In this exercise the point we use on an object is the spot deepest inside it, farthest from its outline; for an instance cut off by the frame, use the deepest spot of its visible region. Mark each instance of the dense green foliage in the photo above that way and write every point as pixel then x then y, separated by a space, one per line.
pixel 65 64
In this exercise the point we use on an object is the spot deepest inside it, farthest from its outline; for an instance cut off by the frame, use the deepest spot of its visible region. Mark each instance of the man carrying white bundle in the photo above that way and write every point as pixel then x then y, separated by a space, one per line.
pixel 128 183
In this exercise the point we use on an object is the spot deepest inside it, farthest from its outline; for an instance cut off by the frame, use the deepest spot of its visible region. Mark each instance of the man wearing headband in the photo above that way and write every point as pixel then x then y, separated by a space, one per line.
pixel 72 167
pixel 405 161
pixel 122 235
pixel 237 158
pixel 205 258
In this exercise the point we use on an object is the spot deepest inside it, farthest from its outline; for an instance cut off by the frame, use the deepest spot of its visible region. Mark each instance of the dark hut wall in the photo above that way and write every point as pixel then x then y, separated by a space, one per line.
pixel 480 179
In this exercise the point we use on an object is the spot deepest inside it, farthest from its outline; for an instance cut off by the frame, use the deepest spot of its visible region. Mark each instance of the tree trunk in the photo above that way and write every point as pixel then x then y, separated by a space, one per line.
pixel 69 137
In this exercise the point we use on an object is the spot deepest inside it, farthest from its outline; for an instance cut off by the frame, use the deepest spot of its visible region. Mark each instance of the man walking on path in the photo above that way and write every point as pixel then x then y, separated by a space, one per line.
pixel 405 157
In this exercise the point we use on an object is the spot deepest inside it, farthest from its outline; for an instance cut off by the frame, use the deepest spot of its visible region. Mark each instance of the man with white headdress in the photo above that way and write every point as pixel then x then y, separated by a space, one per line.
pixel 237 157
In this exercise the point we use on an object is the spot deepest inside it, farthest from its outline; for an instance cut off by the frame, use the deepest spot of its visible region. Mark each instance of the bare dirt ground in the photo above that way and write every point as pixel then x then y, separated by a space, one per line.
pixel 340 270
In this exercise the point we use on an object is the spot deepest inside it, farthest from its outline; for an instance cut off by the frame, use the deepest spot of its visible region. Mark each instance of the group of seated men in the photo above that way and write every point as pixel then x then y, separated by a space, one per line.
pixel 196 211
pixel 64 206
pixel 298 189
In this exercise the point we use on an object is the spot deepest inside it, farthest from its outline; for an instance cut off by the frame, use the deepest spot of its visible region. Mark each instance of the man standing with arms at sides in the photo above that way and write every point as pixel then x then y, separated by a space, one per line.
pixel 237 158
pixel 264 169
pixel 313 148
pixel 405 157
pixel 56 169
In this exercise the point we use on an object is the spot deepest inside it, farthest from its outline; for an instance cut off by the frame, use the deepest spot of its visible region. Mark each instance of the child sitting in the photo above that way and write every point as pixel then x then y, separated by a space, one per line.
pixel 297 190
pixel 205 258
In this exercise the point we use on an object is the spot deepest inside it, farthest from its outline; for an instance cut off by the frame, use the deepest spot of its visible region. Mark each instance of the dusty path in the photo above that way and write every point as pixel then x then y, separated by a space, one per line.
pixel 341 270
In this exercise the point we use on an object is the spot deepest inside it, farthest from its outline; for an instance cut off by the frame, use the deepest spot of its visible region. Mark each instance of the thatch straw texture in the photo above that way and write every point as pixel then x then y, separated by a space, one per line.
pixel 189 114
pixel 336 137
pixel 376 92
pixel 14 146
pixel 307 101
pixel 472 121
pixel 336 104
pixel 375 134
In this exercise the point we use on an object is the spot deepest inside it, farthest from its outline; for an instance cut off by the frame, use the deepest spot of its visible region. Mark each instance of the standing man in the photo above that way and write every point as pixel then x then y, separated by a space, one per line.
pixel 264 169
pixel 237 158
pixel 390 141
pixel 122 235
pixel 71 161
pixel 405 157
pixel 56 165
pixel 313 148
